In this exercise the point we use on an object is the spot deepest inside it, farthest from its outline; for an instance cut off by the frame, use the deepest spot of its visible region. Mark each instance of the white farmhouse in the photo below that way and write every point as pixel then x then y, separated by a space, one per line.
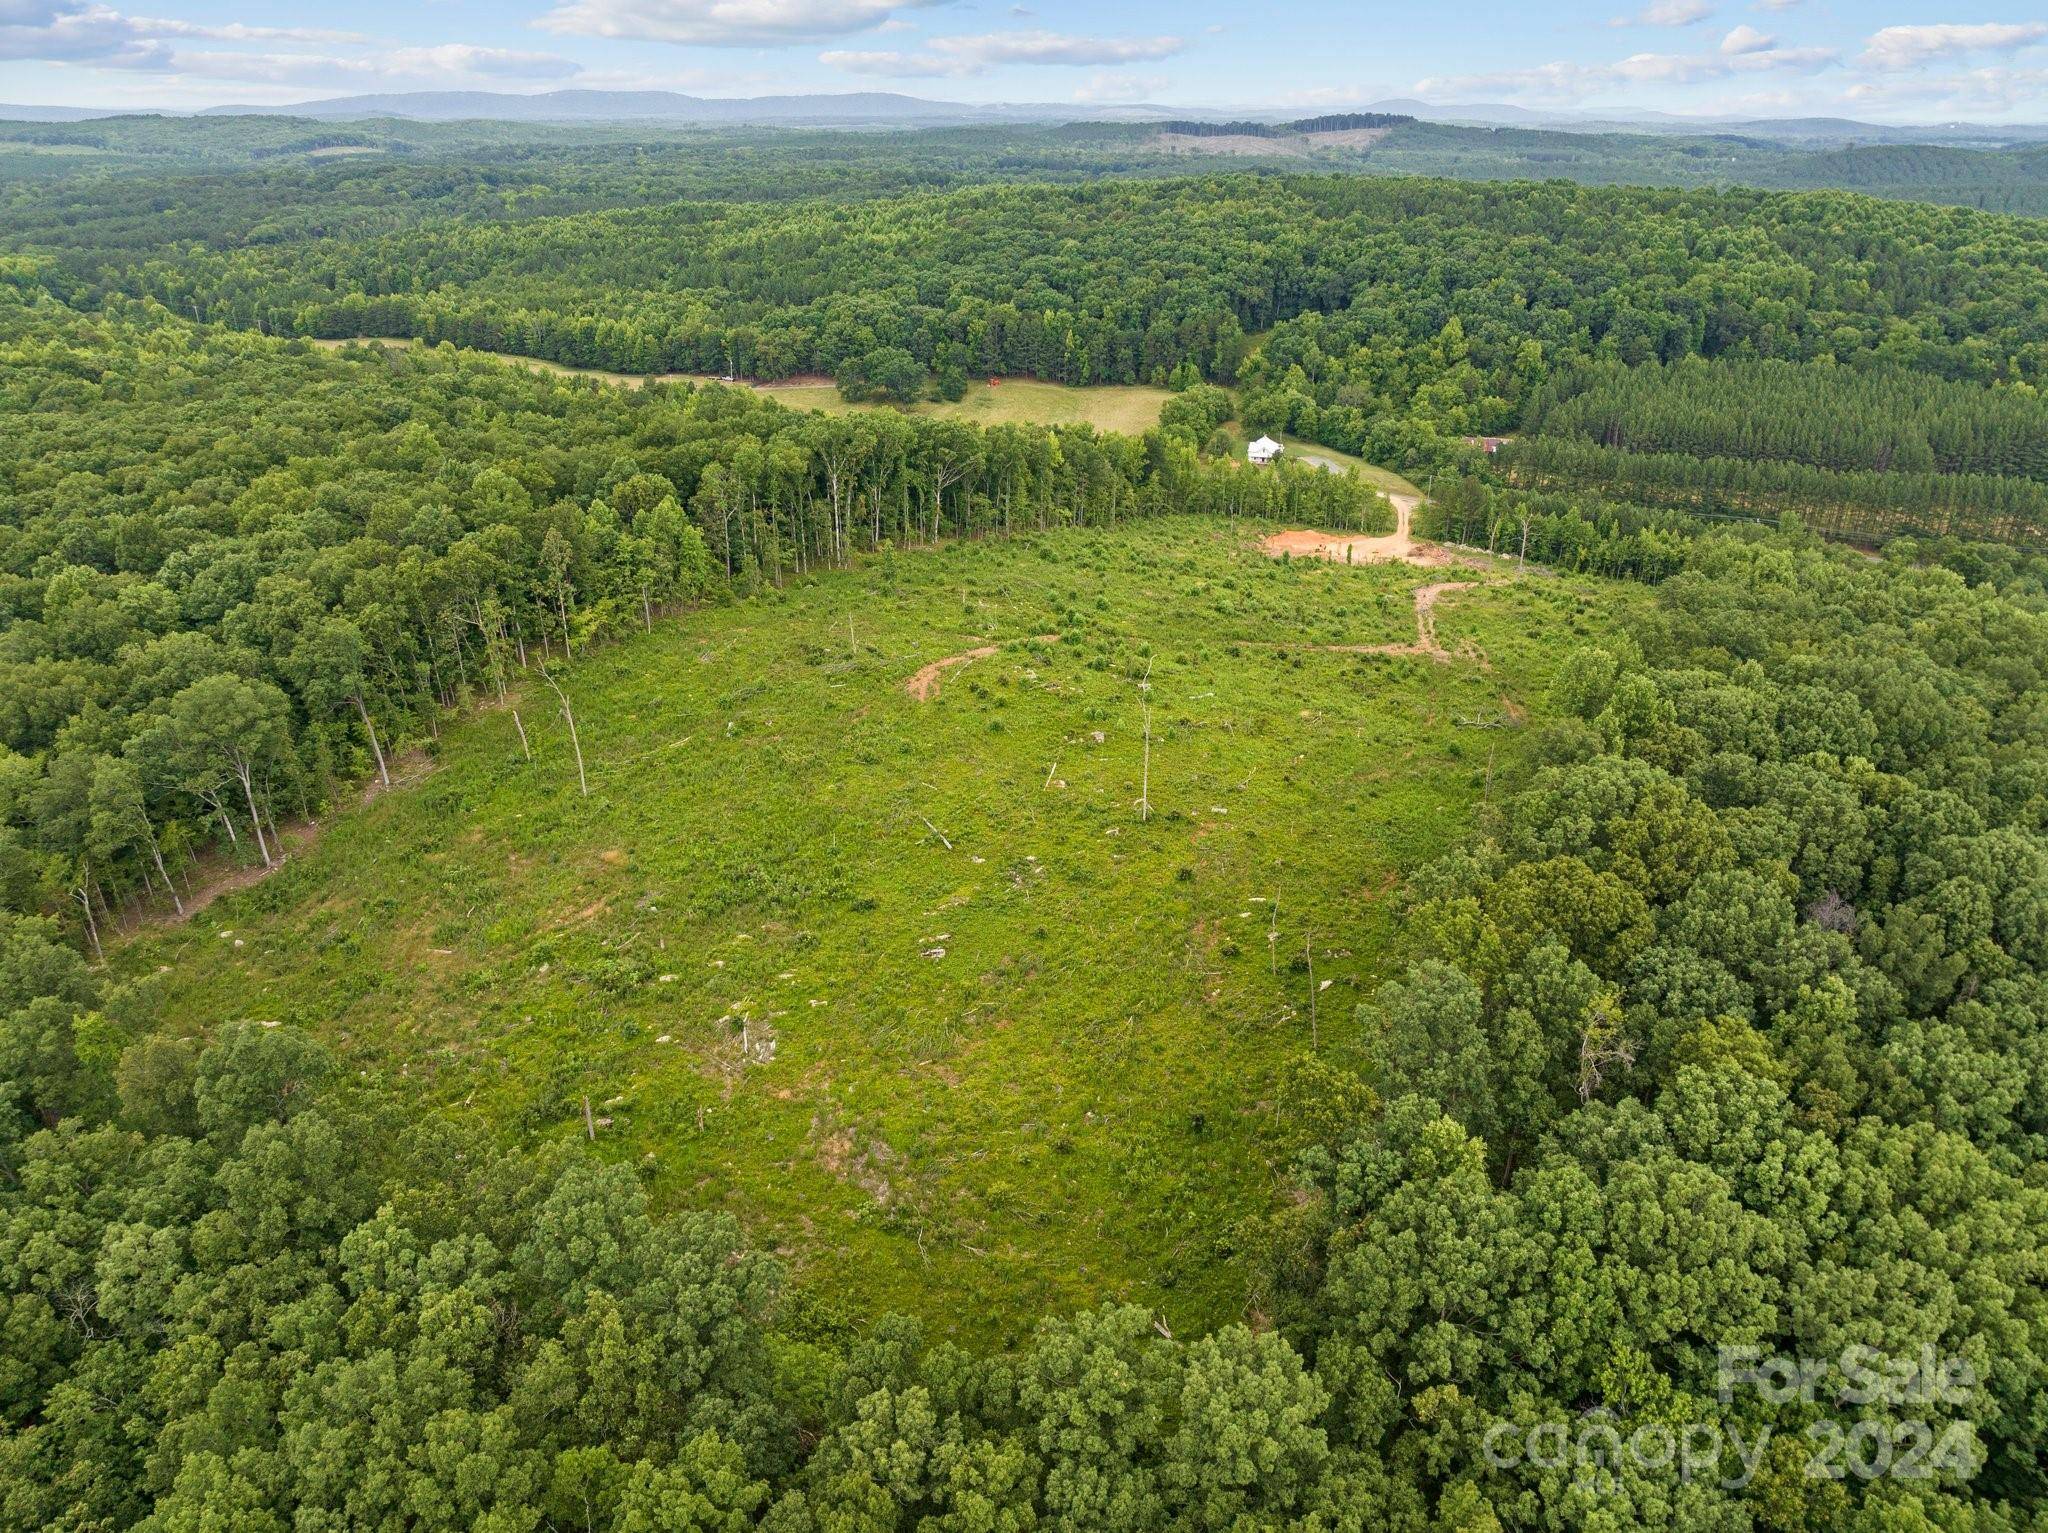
pixel 1264 450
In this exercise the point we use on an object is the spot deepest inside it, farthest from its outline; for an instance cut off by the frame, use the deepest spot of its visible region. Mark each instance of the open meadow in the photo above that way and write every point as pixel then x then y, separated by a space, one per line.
pixel 1130 409
pixel 912 983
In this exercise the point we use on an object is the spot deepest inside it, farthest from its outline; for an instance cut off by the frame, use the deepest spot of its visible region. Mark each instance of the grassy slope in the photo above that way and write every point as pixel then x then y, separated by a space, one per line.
pixel 1073 1098
pixel 1382 479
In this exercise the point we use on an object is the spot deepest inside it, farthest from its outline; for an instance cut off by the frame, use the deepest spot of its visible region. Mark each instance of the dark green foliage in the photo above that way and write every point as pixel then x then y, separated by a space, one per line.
pixel 1117 282
pixel 1880 419
pixel 1870 451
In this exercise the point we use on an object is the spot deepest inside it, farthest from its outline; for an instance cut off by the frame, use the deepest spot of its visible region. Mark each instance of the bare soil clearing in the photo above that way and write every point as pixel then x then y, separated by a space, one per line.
pixel 1292 146
pixel 1398 546
pixel 219 875
pixel 925 684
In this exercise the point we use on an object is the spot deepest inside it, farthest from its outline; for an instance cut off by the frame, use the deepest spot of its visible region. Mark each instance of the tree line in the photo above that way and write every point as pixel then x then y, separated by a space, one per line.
pixel 235 573
pixel 1124 281
pixel 1820 414
pixel 1867 504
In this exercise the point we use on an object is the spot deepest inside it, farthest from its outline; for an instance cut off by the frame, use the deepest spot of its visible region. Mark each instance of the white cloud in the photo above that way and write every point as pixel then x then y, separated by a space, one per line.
pixel 1992 91
pixel 1054 48
pixel 723 23
pixel 1774 5
pixel 1896 48
pixel 889 65
pixel 238 32
pixel 975 55
pixel 100 37
pixel 1667 13
pixel 91 34
pixel 467 59
pixel 445 65
pixel 1108 86
pixel 1563 83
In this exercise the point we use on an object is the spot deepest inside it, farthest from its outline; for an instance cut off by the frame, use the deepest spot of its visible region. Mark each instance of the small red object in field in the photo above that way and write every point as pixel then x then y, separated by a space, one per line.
pixel 995 382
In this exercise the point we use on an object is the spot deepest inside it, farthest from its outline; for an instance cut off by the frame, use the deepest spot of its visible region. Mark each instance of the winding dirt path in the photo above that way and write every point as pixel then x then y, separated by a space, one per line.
pixel 1425 641
pixel 1398 546
pixel 216 874
pixel 924 686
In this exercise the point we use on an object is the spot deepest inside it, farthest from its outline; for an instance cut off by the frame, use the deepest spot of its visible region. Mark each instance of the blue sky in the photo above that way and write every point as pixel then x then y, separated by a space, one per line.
pixel 1912 61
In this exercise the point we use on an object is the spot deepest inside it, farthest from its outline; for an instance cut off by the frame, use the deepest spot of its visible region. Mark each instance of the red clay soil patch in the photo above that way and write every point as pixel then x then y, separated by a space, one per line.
pixel 1396 547
pixel 925 684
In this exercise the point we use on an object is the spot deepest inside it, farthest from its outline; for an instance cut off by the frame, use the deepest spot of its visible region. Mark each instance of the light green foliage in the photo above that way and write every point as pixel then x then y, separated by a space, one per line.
pixel 928 1070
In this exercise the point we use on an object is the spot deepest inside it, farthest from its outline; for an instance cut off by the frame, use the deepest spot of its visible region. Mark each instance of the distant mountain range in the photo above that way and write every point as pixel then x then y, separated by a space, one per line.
pixel 886 108
pixel 627 106
pixel 62 113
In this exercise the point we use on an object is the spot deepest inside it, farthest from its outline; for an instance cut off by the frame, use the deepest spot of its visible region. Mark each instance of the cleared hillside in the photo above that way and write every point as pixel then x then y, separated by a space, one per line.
pixel 916 986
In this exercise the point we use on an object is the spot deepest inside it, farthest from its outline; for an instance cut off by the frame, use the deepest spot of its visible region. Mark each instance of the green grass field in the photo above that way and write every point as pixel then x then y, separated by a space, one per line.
pixel 913 987
pixel 1129 409
pixel 1017 401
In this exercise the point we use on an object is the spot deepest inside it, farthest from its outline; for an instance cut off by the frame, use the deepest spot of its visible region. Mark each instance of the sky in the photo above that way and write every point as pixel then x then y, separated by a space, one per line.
pixel 1910 61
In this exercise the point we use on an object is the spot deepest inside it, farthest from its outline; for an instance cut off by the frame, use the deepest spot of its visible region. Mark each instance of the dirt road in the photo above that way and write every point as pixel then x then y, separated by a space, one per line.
pixel 1425 641
pixel 1398 546
pixel 925 684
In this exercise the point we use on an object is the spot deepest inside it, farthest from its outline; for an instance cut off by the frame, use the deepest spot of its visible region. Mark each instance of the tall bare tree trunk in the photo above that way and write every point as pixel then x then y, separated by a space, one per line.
pixel 582 782
pixel 255 817
pixel 383 772
pixel 83 895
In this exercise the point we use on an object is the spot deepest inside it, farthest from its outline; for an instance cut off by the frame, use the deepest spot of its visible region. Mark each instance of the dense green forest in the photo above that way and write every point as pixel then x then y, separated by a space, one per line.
pixel 1820 416
pixel 746 162
pixel 1868 505
pixel 1395 307
pixel 1868 453
pixel 1727 1034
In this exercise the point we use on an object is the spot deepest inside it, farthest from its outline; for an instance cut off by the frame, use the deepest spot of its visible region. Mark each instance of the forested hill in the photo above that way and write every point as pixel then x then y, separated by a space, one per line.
pixel 233 571
pixel 1717 1032
pixel 1124 281
pixel 1389 318
pixel 61 157
pixel 2013 179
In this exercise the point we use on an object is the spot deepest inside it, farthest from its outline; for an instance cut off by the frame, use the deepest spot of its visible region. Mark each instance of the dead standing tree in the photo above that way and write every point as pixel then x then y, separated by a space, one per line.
pixel 1145 782
pixel 568 717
